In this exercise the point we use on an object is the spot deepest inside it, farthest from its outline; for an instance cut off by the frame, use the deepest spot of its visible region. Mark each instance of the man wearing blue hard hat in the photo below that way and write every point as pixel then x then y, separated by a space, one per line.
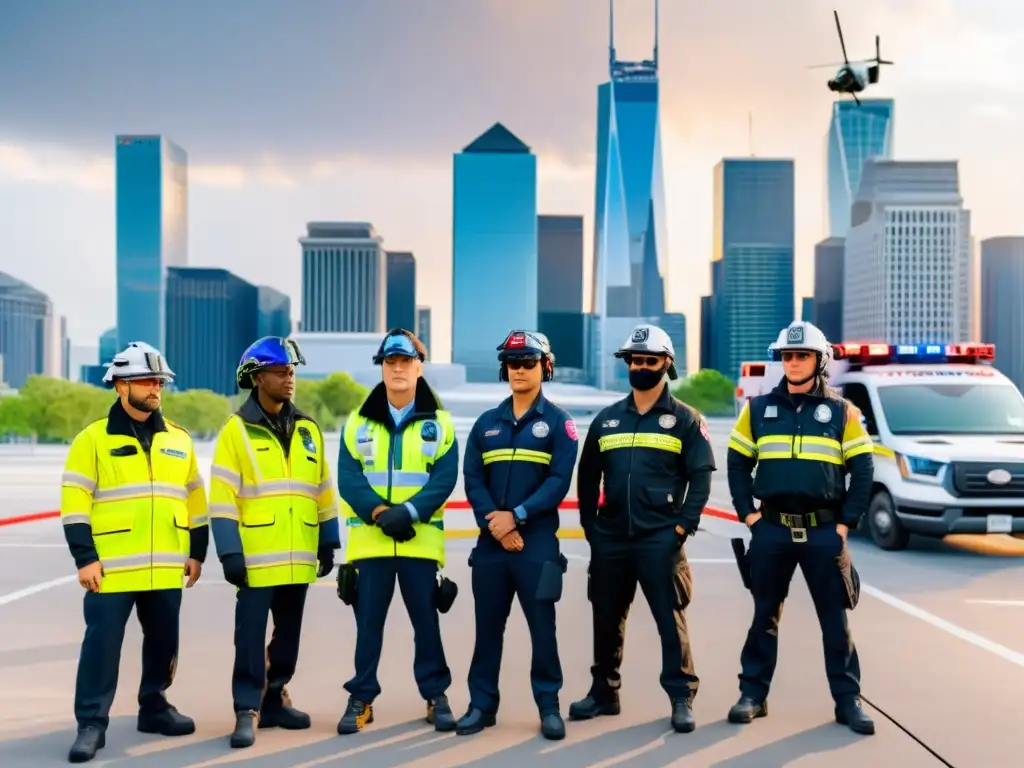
pixel 274 515
pixel 397 466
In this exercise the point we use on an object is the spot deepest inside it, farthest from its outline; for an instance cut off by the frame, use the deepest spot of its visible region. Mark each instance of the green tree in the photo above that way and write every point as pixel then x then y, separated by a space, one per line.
pixel 16 416
pixel 341 393
pixel 200 411
pixel 73 408
pixel 307 398
pixel 710 392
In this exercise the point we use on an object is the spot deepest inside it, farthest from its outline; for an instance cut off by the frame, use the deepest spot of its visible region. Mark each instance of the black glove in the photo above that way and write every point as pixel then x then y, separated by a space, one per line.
pixel 396 522
pixel 325 556
pixel 234 570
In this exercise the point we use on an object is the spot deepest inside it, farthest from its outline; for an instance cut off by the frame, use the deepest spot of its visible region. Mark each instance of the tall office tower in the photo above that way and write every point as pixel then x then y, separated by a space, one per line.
pixel 65 349
pixel 26 320
pixel 807 309
pixel 212 316
pixel 560 287
pixel 1002 303
pixel 152 232
pixel 344 278
pixel 674 324
pixel 630 241
pixel 907 267
pixel 494 248
pixel 754 241
pixel 828 287
pixel 401 301
pixel 423 327
pixel 706 333
pixel 275 312
pixel 855 134
pixel 713 343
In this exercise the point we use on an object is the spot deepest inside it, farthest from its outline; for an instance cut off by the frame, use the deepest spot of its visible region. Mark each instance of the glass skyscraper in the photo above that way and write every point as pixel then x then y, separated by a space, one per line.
pixel 630 241
pixel 401 311
pixel 275 312
pixel 344 278
pixel 494 248
pixel 855 134
pixel 560 287
pixel 26 315
pixel 752 272
pixel 212 316
pixel 152 232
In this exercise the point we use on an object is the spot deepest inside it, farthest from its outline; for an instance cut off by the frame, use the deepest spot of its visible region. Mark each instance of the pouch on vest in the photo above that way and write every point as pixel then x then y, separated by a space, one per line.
pixel 348 578
pixel 549 586
pixel 444 597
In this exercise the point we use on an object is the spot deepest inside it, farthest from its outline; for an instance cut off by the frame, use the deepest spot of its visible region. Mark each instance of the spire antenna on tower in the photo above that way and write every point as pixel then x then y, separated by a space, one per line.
pixel 655 34
pixel 611 32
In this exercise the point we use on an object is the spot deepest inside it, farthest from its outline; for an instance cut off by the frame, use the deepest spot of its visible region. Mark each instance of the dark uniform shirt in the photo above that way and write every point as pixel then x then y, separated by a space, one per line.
pixel 803 446
pixel 657 468
pixel 523 466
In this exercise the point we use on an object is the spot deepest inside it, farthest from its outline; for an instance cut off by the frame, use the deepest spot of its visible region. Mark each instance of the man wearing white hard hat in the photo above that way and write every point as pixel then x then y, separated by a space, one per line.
pixel 134 510
pixel 800 441
pixel 655 456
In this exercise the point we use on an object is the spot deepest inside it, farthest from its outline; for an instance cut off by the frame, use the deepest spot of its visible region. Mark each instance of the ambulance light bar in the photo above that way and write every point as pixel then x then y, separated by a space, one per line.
pixel 881 354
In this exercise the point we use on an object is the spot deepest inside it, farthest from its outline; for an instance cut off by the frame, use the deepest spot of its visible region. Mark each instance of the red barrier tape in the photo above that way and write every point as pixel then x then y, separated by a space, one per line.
pixel 567 506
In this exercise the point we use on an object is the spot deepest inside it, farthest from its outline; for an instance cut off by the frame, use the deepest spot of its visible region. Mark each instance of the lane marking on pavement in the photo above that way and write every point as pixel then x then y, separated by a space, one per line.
pixel 949 627
pixel 35 588
pixel 1017 603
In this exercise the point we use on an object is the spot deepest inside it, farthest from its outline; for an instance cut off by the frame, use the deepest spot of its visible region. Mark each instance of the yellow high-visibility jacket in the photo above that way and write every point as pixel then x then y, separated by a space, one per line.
pixel 275 507
pixel 133 510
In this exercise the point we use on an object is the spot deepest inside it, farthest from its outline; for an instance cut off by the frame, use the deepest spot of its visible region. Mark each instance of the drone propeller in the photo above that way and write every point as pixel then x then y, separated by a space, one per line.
pixel 878 52
pixel 842 42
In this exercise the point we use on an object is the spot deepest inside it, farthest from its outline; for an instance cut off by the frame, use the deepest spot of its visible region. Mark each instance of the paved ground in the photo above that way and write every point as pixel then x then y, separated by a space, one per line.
pixel 936 657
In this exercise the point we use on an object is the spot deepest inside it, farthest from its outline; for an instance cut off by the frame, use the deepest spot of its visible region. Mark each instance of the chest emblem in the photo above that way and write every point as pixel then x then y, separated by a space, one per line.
pixel 174 452
pixel 771 411
pixel 307 440
pixel 611 423
pixel 492 432
pixel 823 414
pixel 667 421
pixel 540 429
pixel 428 432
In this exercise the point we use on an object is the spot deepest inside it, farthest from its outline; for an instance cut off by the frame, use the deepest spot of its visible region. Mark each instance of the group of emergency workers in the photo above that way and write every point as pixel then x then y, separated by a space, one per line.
pixel 137 521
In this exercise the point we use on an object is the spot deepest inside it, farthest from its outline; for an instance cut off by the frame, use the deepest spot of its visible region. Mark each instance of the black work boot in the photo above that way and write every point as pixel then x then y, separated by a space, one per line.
pixel 88 741
pixel 474 721
pixel 682 716
pixel 277 712
pixel 169 722
pixel 244 734
pixel 746 709
pixel 851 715
pixel 552 726
pixel 591 706
pixel 357 714
pixel 439 714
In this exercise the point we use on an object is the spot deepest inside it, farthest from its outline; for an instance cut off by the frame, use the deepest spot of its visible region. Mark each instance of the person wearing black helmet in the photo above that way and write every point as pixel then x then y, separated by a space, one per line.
pixel 517 470
pixel 397 466
pixel 654 454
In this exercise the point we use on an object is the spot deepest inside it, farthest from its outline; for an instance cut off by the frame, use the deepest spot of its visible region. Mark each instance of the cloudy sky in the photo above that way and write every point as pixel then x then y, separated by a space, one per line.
pixel 352 109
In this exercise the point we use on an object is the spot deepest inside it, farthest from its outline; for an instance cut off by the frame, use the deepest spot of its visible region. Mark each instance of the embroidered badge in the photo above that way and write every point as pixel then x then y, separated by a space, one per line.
pixel 540 429
pixel 307 440
pixel 570 429
pixel 667 421
pixel 429 432
pixel 174 452
pixel 823 414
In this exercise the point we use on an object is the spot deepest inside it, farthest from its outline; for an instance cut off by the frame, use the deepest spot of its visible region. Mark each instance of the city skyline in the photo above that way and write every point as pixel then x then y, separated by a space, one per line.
pixel 400 182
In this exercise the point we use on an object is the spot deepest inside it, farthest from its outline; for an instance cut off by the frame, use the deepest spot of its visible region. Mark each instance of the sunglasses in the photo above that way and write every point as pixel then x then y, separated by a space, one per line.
pixel 649 360
pixel 515 365
pixel 787 356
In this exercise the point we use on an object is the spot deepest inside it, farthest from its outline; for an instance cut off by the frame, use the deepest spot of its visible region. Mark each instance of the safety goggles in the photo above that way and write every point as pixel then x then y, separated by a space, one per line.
pixel 291 348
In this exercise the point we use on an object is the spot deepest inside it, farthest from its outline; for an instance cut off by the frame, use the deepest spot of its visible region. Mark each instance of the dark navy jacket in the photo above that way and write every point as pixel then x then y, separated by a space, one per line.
pixel 524 467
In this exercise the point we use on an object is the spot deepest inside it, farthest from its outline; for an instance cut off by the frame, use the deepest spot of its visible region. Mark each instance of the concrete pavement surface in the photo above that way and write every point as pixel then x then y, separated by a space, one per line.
pixel 940 633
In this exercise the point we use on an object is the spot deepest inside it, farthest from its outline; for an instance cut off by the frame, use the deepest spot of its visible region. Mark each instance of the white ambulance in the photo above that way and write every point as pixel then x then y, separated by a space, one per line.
pixel 949 438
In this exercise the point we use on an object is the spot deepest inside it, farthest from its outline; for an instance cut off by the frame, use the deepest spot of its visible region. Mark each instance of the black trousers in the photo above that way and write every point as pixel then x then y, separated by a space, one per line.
pixel 272 666
pixel 658 564
pixel 774 557
pixel 417 579
pixel 106 616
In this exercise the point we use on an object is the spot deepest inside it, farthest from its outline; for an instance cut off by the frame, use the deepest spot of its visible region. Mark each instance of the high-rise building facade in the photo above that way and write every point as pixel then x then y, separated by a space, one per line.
pixel 275 312
pixel 753 286
pixel 828 287
pixel 423 327
pixel 494 247
pixel 856 133
pixel 401 311
pixel 212 316
pixel 907 276
pixel 26 317
pixel 344 278
pixel 1002 303
pixel 674 324
pixel 630 240
pixel 560 287
pixel 152 232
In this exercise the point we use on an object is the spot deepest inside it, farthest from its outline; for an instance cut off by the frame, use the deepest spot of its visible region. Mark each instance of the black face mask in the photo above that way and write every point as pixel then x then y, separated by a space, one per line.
pixel 645 378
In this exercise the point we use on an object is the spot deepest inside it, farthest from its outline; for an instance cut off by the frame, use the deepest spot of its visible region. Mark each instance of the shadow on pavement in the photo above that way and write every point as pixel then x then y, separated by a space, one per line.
pixel 827 737
pixel 51 749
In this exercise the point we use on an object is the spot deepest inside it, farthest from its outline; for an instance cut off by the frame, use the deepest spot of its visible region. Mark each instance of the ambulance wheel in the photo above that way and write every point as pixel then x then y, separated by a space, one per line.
pixel 885 527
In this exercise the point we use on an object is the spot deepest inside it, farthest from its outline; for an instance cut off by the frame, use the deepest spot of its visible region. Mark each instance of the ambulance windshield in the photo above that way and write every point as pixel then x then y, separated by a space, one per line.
pixel 953 409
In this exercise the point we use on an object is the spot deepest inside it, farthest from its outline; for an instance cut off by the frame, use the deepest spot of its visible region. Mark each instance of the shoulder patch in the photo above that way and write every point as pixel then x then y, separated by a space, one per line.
pixel 704 428
pixel 570 429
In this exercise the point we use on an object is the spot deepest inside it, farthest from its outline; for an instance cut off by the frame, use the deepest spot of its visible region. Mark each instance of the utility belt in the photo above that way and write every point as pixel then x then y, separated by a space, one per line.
pixel 799 522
